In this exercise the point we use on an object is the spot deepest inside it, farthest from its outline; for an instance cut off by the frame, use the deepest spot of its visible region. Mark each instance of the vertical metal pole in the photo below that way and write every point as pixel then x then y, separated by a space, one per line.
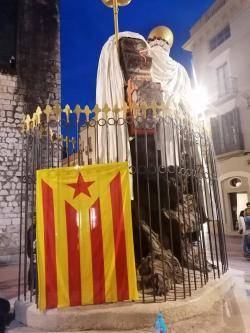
pixel 163 119
pixel 21 221
pixel 78 139
pixel 96 139
pixel 218 207
pixel 186 171
pixel 196 189
pixel 116 24
pixel 107 137
pixel 149 203
pixel 195 207
pixel 178 200
pixel 87 124
pixel 201 212
pixel 184 237
pixel 58 145
pixel 31 235
pixel 138 206
pixel 26 213
pixel 48 143
pixel 211 200
pixel 116 119
pixel 159 207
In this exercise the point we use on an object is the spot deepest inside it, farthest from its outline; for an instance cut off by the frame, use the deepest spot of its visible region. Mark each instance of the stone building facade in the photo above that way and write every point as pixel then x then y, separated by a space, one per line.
pixel 29 75
pixel 220 46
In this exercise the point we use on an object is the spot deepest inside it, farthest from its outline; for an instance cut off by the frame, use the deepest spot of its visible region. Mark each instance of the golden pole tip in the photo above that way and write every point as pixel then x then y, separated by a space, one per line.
pixel 110 3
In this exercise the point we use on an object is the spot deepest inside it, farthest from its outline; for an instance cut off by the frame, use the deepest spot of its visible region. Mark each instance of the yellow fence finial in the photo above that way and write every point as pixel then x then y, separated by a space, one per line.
pixel 67 111
pixel 38 114
pixel 87 112
pixel 96 110
pixel 106 109
pixel 48 111
pixel 78 112
pixel 57 111
pixel 27 123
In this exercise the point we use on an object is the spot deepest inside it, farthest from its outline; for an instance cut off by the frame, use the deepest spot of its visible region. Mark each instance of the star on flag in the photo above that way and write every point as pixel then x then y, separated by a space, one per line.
pixel 81 186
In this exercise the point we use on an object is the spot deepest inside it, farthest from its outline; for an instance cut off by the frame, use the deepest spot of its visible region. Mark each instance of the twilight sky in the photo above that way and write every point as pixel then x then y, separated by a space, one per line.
pixel 87 24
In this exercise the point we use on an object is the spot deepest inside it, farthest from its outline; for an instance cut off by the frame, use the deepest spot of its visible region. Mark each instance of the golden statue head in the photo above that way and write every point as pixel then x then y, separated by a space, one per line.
pixel 110 3
pixel 163 33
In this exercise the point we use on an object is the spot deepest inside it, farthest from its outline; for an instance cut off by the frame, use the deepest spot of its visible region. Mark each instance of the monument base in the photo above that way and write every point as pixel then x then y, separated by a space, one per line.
pixel 122 316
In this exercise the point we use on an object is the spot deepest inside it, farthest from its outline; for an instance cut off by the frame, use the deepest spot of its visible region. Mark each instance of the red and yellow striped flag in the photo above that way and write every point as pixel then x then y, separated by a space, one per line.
pixel 85 250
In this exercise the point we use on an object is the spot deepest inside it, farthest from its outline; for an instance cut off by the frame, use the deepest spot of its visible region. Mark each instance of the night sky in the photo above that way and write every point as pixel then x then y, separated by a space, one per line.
pixel 87 24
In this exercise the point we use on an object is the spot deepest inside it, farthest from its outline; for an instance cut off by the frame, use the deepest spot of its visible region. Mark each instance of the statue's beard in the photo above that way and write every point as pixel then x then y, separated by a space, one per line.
pixel 157 43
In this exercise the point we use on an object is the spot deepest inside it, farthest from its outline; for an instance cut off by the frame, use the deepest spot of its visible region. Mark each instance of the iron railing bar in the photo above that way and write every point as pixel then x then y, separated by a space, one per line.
pixel 178 201
pixel 185 143
pixel 138 209
pixel 26 214
pixel 179 138
pixel 207 206
pixel 149 201
pixel 211 203
pixel 202 212
pixel 159 208
pixel 21 220
pixel 219 209
pixel 31 270
pixel 197 226
pixel 198 210
pixel 168 203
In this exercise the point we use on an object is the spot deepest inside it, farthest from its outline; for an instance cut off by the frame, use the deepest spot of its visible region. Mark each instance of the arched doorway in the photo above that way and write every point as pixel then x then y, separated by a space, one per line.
pixel 235 194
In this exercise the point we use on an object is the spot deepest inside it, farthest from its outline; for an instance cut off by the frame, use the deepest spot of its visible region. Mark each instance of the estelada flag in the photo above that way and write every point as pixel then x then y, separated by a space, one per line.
pixel 85 250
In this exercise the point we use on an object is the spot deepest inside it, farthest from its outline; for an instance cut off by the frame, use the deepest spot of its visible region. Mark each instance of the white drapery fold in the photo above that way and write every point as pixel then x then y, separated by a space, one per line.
pixel 110 91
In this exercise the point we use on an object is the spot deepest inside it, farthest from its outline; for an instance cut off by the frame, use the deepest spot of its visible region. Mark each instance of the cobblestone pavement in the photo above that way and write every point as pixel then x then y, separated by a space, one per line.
pixel 230 315
pixel 8 281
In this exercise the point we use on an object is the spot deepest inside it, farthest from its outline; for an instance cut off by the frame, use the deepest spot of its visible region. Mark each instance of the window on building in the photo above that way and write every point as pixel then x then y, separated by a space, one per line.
pixel 8 27
pixel 220 38
pixel 223 80
pixel 226 132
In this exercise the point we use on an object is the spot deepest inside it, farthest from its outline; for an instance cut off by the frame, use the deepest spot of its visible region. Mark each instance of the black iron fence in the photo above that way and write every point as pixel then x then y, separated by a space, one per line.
pixel 179 239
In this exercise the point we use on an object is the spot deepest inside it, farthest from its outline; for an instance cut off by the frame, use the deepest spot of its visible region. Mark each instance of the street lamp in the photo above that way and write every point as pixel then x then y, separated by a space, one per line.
pixel 199 101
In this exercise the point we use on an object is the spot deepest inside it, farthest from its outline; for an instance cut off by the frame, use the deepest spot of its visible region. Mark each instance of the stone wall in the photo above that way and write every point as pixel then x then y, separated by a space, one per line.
pixel 35 80
pixel 11 107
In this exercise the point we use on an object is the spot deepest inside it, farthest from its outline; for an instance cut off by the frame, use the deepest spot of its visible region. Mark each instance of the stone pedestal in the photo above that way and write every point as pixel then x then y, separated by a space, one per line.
pixel 122 316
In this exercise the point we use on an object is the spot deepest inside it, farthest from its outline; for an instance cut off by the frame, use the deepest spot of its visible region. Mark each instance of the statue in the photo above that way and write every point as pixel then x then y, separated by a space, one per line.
pixel 141 71
pixel 172 75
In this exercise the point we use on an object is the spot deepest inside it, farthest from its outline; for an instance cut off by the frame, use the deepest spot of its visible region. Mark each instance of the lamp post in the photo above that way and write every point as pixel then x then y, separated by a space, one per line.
pixel 115 5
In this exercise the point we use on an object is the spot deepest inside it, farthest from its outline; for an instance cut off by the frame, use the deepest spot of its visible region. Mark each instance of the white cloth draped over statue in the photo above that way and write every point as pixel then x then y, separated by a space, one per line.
pixel 176 89
pixel 110 90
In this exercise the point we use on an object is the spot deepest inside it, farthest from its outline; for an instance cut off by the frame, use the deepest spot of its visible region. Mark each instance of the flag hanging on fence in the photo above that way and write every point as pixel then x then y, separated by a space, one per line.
pixel 85 250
